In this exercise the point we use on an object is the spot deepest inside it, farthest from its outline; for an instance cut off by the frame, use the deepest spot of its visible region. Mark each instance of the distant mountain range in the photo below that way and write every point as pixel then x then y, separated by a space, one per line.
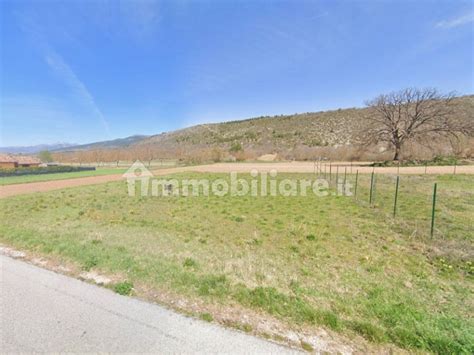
pixel 33 149
pixel 335 133
pixel 64 147
pixel 112 144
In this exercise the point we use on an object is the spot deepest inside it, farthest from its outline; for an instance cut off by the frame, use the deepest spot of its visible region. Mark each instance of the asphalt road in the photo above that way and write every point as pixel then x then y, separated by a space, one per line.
pixel 42 311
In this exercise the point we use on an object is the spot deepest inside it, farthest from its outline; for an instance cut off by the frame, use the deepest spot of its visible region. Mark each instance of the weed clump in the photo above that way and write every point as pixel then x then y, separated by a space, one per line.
pixel 368 331
pixel 306 346
pixel 123 288
pixel 190 262
pixel 206 316
pixel 213 285
pixel 90 262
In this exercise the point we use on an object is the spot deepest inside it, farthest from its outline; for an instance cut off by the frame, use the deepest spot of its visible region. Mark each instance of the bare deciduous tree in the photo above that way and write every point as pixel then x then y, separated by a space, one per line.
pixel 411 114
pixel 98 155
pixel 148 153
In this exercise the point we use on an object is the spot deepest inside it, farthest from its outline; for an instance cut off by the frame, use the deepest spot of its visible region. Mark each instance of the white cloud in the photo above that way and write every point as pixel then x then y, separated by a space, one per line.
pixel 456 22
pixel 56 62
pixel 60 67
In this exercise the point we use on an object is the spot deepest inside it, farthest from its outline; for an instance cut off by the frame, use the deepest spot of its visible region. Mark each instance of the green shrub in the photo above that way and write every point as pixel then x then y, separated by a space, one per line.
pixel 43 170
pixel 235 147
pixel 436 161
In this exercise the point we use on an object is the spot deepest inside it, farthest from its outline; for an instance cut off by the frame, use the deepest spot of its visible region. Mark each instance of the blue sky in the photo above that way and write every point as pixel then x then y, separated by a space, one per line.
pixel 82 71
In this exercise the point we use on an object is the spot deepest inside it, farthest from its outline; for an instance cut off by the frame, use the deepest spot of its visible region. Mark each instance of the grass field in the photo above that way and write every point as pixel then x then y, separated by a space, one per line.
pixel 309 261
pixel 58 176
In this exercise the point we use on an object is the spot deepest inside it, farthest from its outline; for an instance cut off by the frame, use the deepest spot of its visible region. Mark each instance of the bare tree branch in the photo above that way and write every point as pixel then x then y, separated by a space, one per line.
pixel 412 114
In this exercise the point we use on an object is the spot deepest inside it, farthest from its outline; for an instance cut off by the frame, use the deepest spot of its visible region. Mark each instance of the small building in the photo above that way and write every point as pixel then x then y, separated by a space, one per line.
pixel 7 162
pixel 26 161
pixel 14 161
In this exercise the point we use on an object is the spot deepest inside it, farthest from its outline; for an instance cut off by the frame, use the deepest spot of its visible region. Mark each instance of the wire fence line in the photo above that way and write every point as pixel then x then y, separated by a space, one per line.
pixel 426 205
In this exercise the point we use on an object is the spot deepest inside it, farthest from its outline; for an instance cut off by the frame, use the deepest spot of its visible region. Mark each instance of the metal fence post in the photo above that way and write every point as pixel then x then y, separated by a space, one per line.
pixel 330 171
pixel 355 188
pixel 337 174
pixel 375 189
pixel 371 187
pixel 433 209
pixel 396 197
pixel 345 175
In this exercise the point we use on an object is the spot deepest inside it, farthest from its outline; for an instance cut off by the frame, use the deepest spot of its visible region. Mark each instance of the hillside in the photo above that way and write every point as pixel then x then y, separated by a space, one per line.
pixel 310 129
pixel 299 136
pixel 333 134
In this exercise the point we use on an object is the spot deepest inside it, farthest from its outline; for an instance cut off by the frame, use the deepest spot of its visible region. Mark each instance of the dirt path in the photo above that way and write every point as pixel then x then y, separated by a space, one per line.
pixel 290 167
pixel 42 186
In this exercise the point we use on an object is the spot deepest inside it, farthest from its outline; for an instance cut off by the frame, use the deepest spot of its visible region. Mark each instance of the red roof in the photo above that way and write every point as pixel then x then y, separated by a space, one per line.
pixel 20 159
pixel 25 159
pixel 5 158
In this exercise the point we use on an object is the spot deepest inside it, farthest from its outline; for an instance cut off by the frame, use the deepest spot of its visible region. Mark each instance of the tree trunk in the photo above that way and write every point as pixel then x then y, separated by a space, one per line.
pixel 397 153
